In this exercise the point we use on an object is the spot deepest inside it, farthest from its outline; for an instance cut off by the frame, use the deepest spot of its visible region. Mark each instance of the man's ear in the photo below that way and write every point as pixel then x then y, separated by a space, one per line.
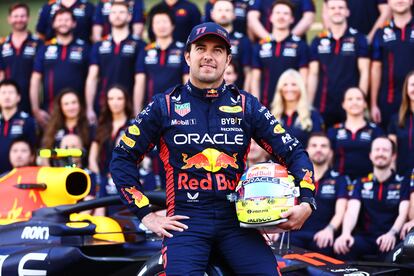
pixel 229 58
pixel 187 57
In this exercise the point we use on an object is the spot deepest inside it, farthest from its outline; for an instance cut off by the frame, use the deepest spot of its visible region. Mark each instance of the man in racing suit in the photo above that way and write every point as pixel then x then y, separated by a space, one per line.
pixel 203 131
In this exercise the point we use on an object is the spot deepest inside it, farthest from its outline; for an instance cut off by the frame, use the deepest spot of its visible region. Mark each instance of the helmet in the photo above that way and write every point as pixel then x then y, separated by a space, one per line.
pixel 264 192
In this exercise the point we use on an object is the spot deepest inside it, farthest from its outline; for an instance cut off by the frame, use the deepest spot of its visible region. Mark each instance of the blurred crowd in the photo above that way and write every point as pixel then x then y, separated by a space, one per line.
pixel 85 72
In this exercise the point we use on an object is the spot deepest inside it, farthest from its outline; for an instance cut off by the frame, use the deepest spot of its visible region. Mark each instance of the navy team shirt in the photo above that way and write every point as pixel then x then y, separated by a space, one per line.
pixel 273 58
pixel 363 14
pixel 293 126
pixel 338 70
pixel 241 52
pixel 19 125
pixel 81 9
pixel 187 15
pixel 240 10
pixel 352 149
pixel 379 202
pixel 328 189
pixel 116 63
pixel 103 8
pixel 163 68
pixel 17 64
pixel 405 142
pixel 394 48
pixel 62 66
pixel 265 9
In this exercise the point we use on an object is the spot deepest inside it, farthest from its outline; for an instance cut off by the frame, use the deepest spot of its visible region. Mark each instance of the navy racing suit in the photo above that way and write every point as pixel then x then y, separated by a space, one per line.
pixel 203 136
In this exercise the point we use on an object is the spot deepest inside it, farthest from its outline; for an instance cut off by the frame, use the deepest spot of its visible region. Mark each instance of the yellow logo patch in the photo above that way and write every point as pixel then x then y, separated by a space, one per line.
pixel 279 129
pixel 230 109
pixel 134 130
pixel 128 141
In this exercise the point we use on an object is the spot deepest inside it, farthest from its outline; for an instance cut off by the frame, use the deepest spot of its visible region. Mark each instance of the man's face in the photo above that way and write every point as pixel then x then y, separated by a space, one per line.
pixel 119 16
pixel 208 59
pixel 230 75
pixel 319 150
pixel 20 155
pixel 337 11
pixel 18 19
pixel 381 153
pixel 223 13
pixel 400 6
pixel 281 17
pixel 9 98
pixel 64 24
pixel 162 26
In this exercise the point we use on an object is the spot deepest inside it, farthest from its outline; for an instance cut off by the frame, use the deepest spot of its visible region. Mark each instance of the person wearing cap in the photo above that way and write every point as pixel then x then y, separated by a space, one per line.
pixel 203 130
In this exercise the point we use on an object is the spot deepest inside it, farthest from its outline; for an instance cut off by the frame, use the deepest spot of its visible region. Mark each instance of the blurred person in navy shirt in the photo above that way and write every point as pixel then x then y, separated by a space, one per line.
pixel 392 59
pixel 401 128
pixel 82 10
pixel 102 26
pixel 61 63
pixel 339 59
pixel 351 139
pixel 13 123
pixel 112 60
pixel 291 107
pixel 17 52
pixel 161 65
pixel 21 153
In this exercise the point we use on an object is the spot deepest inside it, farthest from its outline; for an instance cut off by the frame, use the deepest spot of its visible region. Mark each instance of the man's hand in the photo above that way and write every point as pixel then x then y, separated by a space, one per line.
pixel 343 244
pixel 386 242
pixel 324 237
pixel 376 114
pixel 406 228
pixel 160 224
pixel 297 215
pixel 91 116
pixel 41 116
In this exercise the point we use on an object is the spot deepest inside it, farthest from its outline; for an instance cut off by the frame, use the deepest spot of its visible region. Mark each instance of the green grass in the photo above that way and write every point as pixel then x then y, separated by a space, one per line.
pixel 36 4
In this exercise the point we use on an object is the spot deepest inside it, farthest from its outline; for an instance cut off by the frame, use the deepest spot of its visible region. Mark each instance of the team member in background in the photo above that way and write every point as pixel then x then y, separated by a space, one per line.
pixel 351 139
pixel 17 52
pixel 291 108
pixel 223 13
pixel 21 153
pixel 13 123
pixel 339 59
pixel 401 128
pixel 231 74
pixel 161 65
pixel 409 181
pixel 275 54
pixel 365 16
pixel 112 60
pixel 61 63
pixel 82 10
pixel 392 53
pixel 186 14
pixel 102 26
pixel 260 24
pixel 240 11
pixel 331 194
pixel 378 207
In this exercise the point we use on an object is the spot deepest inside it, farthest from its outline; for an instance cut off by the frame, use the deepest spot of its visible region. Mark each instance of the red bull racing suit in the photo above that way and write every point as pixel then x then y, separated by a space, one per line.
pixel 203 136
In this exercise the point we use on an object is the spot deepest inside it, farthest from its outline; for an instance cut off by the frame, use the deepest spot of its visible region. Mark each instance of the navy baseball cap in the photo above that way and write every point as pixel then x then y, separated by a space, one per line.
pixel 205 29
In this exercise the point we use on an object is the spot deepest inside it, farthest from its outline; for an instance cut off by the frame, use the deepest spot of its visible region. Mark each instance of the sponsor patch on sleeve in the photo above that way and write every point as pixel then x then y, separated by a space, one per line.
pixel 128 141
pixel 134 130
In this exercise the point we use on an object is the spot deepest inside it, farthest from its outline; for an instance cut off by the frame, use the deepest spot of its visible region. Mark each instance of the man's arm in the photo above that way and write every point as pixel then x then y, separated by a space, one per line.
pixel 91 86
pixel 255 26
pixel 376 69
pixel 138 28
pixel 387 241
pixel 363 67
pixel 97 33
pixel 385 14
pixel 313 80
pixel 139 92
pixel 255 82
pixel 345 241
pixel 35 82
pixel 304 24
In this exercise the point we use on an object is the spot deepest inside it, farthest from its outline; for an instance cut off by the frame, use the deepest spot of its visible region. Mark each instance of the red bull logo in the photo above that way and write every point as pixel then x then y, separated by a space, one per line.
pixel 212 93
pixel 139 199
pixel 206 184
pixel 211 160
